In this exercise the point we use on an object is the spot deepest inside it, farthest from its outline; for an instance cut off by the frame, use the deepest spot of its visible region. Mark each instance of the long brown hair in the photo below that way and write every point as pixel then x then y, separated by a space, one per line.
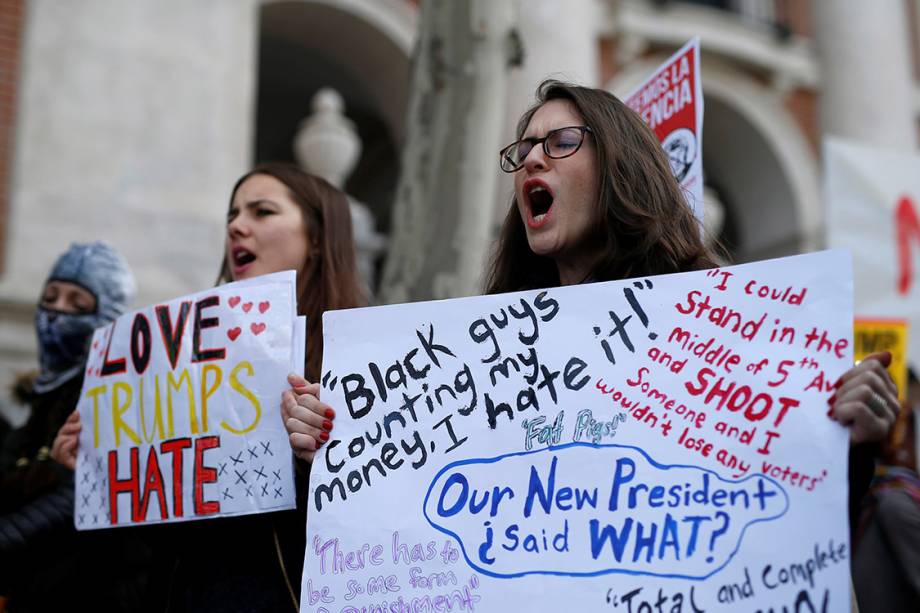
pixel 646 227
pixel 329 278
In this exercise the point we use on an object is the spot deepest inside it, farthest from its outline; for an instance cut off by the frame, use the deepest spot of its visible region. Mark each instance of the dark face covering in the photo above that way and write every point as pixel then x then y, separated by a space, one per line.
pixel 63 338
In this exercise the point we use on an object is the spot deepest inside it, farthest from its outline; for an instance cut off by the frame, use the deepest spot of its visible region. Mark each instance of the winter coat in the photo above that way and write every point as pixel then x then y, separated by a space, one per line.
pixel 45 564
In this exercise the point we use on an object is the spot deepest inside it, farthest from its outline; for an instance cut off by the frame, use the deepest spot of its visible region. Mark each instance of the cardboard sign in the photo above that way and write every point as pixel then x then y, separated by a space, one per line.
pixel 873 209
pixel 180 408
pixel 872 335
pixel 671 103
pixel 631 446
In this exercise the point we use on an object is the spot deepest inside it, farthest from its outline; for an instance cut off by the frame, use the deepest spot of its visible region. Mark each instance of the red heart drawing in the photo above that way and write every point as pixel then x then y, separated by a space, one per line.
pixel 234 300
pixel 234 332
pixel 257 329
pixel 95 344
pixel 263 306
pixel 246 307
pixel 89 371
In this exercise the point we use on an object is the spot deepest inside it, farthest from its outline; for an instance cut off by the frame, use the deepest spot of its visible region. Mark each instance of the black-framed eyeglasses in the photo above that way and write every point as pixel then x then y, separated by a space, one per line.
pixel 557 144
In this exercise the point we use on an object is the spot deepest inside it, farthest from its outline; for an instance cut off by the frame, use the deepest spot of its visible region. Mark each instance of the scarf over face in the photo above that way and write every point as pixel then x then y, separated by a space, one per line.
pixel 63 338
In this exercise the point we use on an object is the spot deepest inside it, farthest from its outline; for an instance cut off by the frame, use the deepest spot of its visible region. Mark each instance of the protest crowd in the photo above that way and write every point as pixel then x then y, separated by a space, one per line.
pixel 594 200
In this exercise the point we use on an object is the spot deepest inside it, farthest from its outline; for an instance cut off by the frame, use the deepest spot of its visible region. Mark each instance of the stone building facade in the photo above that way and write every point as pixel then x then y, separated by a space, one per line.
pixel 130 121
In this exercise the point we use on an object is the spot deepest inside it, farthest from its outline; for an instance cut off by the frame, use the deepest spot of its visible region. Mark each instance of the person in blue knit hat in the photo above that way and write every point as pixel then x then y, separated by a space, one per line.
pixel 45 564
pixel 89 286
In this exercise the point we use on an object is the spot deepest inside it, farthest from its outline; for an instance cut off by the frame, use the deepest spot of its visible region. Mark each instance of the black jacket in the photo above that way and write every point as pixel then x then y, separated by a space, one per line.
pixel 45 564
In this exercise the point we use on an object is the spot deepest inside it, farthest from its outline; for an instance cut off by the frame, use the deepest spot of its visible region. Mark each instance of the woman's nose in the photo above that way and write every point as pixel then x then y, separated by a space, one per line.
pixel 61 304
pixel 535 159
pixel 237 226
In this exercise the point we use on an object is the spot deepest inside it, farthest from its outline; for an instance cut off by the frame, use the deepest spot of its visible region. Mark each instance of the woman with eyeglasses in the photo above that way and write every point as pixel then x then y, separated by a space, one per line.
pixel 595 200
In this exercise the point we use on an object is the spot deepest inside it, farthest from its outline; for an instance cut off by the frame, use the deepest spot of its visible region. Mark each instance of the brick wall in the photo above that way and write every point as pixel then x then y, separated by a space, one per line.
pixel 11 23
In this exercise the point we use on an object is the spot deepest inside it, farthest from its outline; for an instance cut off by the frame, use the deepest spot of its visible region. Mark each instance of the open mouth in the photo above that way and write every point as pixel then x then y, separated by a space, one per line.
pixel 242 257
pixel 539 202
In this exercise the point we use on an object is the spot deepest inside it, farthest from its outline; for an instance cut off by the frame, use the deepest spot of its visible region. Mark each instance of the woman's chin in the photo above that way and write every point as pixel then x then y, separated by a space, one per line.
pixel 541 246
pixel 248 271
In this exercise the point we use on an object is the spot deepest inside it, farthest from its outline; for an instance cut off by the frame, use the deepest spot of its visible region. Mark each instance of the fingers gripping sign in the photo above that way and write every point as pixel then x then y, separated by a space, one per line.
pixel 867 399
pixel 307 420
pixel 64 448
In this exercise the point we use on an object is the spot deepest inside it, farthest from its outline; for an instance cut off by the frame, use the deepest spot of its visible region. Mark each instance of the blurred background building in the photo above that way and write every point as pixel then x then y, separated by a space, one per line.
pixel 130 120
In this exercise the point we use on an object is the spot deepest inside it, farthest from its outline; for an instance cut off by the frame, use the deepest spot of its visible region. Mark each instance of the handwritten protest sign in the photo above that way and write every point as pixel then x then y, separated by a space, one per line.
pixel 873 209
pixel 671 103
pixel 652 444
pixel 180 408
pixel 872 335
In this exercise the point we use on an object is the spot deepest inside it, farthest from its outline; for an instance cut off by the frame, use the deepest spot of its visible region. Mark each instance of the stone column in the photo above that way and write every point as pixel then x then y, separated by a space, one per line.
pixel 559 40
pixel 866 77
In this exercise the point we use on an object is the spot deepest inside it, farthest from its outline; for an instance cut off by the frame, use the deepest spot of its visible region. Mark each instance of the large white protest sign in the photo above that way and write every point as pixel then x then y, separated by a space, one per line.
pixel 671 103
pixel 180 408
pixel 652 444
pixel 873 209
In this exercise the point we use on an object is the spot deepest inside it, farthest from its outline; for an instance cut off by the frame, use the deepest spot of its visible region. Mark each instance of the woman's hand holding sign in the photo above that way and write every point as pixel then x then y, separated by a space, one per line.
pixel 64 447
pixel 867 400
pixel 307 419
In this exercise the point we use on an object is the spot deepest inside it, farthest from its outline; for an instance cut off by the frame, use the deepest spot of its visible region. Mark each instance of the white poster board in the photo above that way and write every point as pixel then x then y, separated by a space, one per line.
pixel 873 209
pixel 671 103
pixel 180 408
pixel 607 446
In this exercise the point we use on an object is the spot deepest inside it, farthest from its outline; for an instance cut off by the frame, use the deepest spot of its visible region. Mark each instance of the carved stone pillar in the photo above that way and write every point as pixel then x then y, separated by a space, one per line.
pixel 866 80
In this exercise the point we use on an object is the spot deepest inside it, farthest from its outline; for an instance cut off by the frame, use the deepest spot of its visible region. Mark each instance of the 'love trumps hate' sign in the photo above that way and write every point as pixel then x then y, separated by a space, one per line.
pixel 635 445
pixel 179 406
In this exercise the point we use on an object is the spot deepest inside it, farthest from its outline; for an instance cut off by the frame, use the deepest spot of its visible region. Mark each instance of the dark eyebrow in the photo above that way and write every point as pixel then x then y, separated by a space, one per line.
pixel 535 138
pixel 253 204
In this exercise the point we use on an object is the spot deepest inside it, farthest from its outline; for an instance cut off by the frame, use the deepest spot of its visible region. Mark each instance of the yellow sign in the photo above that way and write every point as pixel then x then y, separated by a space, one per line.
pixel 872 335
